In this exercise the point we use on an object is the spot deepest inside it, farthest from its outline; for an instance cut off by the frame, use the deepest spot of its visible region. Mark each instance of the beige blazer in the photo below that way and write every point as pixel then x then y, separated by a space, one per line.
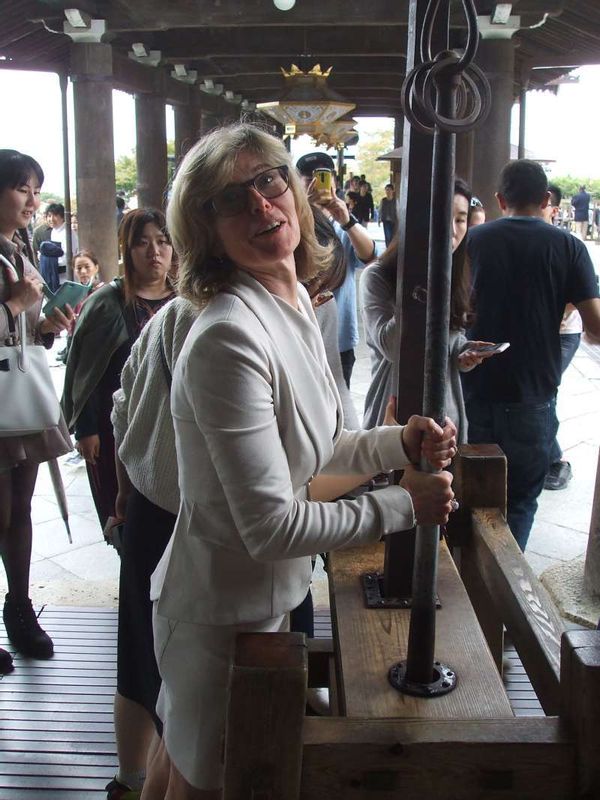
pixel 257 415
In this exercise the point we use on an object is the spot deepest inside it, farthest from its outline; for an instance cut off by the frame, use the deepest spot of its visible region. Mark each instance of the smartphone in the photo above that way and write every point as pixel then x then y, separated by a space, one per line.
pixel 492 348
pixel 323 183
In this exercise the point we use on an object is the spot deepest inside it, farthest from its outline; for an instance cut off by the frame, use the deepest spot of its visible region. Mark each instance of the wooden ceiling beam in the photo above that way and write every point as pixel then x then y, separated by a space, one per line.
pixel 285 43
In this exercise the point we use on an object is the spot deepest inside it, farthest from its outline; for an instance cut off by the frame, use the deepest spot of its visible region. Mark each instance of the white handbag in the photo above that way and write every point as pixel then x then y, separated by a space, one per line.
pixel 28 401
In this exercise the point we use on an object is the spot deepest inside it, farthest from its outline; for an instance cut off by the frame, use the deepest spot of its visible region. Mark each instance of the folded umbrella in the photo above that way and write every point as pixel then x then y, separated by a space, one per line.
pixel 59 492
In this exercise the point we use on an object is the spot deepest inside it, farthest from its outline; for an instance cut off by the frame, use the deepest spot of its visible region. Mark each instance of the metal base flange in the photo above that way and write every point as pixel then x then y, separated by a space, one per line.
pixel 372 583
pixel 444 680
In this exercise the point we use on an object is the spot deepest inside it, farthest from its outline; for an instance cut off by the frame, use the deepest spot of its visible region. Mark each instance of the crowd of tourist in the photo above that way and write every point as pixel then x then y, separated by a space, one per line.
pixel 208 391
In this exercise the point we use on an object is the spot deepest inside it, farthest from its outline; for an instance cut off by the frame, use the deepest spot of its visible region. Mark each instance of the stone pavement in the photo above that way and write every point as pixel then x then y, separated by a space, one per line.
pixel 86 572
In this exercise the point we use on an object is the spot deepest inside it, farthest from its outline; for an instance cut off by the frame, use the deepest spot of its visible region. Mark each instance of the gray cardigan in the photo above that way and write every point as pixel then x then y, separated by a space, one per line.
pixel 378 310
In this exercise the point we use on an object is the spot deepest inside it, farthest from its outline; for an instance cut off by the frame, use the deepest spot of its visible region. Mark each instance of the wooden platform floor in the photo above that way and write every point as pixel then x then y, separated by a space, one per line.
pixel 56 725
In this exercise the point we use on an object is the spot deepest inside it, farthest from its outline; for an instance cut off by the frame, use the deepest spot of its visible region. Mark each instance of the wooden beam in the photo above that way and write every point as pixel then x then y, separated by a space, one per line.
pixel 580 704
pixel 281 42
pixel 263 744
pixel 369 641
pixel 521 602
pixel 528 759
pixel 128 76
pixel 479 482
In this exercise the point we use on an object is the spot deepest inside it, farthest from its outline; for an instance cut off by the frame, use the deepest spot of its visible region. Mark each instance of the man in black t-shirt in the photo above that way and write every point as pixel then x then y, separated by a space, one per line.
pixel 524 273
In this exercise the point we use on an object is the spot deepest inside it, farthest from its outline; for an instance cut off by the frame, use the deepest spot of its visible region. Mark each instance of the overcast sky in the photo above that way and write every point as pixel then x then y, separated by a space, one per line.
pixel 564 127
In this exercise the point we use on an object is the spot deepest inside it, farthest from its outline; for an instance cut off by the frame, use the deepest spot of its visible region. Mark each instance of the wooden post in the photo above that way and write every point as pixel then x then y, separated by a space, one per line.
pixel 263 743
pixel 591 573
pixel 151 150
pixel 91 73
pixel 492 138
pixel 188 124
pixel 580 705
pixel 521 602
pixel 414 198
pixel 479 482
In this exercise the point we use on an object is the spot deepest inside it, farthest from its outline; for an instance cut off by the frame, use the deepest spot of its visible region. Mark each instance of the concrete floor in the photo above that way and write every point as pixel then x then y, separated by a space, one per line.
pixel 86 571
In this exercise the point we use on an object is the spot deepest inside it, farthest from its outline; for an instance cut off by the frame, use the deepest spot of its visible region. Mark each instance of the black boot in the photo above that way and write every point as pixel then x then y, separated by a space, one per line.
pixel 6 662
pixel 23 629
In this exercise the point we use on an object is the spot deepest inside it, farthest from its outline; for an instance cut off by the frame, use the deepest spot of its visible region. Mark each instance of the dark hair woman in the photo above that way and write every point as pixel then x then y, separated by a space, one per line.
pixel 21 178
pixel 378 301
pixel 110 322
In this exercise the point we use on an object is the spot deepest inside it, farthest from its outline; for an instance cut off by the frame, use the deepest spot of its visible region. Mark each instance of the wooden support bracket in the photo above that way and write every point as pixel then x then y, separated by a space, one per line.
pixel 580 705
pixel 479 482
pixel 263 743
pixel 521 602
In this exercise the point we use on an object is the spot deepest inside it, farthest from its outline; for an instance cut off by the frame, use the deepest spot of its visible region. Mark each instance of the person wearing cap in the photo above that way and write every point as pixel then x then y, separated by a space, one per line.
pixel 359 248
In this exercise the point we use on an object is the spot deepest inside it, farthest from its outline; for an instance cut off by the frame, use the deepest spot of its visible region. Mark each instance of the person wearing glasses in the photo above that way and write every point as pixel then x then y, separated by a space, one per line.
pixel 256 416
pixel 359 249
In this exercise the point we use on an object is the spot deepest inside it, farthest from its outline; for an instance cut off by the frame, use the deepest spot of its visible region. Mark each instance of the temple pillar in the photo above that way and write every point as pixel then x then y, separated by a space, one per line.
pixel 209 121
pixel 464 159
pixel 188 127
pixel 91 73
pixel 151 150
pixel 496 57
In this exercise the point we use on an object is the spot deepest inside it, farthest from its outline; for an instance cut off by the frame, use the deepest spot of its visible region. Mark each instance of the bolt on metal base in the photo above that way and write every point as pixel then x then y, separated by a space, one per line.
pixel 444 681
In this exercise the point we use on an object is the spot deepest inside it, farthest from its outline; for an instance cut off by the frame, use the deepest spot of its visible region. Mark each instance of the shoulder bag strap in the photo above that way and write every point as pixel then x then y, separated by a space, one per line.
pixel 19 322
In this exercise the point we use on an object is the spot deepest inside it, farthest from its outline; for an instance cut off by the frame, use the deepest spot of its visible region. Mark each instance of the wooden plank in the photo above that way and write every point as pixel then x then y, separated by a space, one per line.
pixel 57 770
pixel 522 602
pixel 580 704
pixel 52 726
pixel 43 716
pixel 57 732
pixel 56 740
pixel 70 750
pixel 267 697
pixel 65 794
pixel 447 760
pixel 479 482
pixel 369 642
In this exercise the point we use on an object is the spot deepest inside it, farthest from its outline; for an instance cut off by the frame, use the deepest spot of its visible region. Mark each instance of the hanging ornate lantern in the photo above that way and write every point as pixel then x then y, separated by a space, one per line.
pixel 307 102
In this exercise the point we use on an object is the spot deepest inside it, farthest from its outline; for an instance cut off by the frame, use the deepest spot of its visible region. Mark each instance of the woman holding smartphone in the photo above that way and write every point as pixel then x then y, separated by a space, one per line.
pixel 378 303
pixel 21 178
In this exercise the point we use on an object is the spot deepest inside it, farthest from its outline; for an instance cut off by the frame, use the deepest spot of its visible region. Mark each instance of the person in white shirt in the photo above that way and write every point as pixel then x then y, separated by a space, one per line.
pixel 58 234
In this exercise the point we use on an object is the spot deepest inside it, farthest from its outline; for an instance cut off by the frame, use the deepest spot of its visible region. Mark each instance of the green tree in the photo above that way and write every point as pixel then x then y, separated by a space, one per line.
pixel 126 174
pixel 569 185
pixel 126 170
pixel 369 148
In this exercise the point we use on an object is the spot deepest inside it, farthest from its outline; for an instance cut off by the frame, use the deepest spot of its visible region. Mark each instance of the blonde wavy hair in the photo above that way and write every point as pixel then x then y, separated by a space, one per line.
pixel 207 169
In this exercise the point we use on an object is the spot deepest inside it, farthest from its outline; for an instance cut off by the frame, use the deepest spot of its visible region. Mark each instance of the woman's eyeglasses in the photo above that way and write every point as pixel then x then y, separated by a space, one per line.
pixel 476 203
pixel 233 199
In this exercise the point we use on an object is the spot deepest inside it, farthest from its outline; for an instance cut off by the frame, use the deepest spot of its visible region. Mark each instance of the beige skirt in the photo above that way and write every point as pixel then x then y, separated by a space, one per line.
pixel 195 663
pixel 35 448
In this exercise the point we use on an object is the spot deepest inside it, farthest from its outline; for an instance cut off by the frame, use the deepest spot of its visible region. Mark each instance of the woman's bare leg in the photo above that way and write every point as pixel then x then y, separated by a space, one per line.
pixel 134 729
pixel 157 771
pixel 180 789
